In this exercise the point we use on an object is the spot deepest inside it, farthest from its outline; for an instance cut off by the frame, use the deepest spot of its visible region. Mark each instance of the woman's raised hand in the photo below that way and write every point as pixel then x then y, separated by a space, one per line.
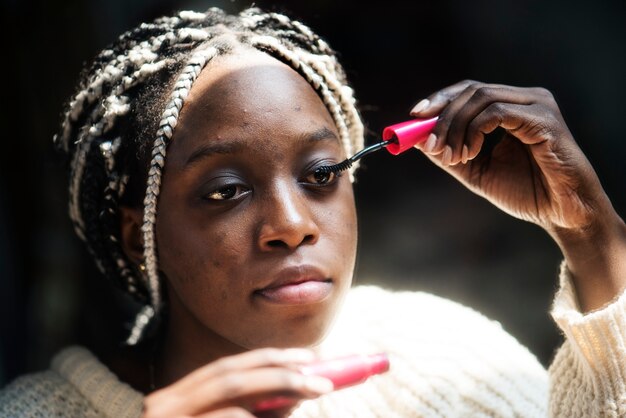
pixel 535 172
pixel 231 386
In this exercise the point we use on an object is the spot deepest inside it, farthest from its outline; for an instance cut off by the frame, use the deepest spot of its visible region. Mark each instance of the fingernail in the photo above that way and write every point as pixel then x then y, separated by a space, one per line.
pixel 318 384
pixel 464 154
pixel 430 144
pixel 447 156
pixel 420 106
pixel 299 355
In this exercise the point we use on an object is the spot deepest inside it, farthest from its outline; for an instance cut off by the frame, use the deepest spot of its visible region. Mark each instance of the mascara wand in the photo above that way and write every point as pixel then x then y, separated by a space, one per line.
pixel 396 139
pixel 347 163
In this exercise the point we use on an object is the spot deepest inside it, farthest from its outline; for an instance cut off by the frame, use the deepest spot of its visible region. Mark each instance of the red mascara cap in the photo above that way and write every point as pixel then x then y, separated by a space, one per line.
pixel 408 133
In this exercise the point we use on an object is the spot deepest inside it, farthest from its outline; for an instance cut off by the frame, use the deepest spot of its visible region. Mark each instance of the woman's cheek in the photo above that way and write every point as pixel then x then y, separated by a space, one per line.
pixel 216 257
pixel 341 232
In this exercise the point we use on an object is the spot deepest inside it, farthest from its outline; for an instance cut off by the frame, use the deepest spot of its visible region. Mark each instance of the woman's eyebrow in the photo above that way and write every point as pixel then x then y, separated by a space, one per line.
pixel 320 134
pixel 217 147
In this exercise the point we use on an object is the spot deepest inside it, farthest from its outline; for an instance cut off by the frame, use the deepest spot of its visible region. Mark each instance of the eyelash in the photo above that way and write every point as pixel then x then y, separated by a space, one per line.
pixel 329 179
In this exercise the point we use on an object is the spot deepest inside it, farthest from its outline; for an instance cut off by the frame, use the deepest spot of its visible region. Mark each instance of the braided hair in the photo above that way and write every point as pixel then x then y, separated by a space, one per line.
pixel 118 125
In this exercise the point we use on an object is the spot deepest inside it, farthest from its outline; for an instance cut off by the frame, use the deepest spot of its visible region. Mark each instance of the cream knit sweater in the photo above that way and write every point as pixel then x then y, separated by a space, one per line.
pixel 446 361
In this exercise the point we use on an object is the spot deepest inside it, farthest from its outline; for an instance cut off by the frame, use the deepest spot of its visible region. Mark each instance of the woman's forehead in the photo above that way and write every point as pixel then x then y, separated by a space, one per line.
pixel 247 77
pixel 247 94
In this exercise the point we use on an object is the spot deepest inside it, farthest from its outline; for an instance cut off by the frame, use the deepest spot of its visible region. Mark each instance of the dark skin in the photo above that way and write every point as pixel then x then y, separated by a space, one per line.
pixel 240 207
pixel 212 362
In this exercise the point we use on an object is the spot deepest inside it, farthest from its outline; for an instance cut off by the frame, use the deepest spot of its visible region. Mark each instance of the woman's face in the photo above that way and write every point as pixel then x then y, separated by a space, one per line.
pixel 256 249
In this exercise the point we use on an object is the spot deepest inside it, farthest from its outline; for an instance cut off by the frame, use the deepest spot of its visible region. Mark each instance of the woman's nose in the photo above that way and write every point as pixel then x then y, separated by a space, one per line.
pixel 288 221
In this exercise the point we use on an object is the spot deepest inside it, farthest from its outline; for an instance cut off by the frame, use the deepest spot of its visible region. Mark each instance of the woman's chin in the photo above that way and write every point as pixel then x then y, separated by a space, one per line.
pixel 302 331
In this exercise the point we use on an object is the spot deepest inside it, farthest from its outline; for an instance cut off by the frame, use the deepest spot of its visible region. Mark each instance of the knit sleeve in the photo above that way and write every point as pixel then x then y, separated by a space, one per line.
pixel 588 374
pixel 77 385
pixel 44 394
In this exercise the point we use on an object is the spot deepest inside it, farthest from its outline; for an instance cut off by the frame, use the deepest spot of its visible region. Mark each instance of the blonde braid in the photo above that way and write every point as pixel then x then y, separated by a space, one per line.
pixel 159 149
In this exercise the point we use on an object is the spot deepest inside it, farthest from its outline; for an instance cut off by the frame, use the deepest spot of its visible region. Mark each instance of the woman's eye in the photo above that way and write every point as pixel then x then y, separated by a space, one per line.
pixel 321 178
pixel 227 192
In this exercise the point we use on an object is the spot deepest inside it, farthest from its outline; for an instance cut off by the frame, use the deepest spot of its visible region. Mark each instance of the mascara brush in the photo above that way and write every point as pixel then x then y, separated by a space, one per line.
pixel 396 139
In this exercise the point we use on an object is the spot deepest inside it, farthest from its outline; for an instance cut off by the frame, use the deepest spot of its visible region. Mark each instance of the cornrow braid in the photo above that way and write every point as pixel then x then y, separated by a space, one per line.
pixel 164 135
pixel 117 127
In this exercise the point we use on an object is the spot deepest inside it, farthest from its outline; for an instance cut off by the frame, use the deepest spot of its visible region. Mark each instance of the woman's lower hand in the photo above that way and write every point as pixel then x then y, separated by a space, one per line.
pixel 231 386
pixel 535 172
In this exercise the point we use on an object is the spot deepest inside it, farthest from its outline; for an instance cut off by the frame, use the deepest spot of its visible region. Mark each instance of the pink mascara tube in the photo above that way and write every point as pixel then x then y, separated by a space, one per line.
pixel 342 371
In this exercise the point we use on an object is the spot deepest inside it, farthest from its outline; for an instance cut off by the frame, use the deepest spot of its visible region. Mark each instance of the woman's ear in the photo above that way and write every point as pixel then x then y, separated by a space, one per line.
pixel 131 220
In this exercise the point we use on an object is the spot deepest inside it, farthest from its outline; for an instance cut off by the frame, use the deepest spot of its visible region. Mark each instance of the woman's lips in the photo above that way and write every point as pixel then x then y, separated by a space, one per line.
pixel 297 286
pixel 297 293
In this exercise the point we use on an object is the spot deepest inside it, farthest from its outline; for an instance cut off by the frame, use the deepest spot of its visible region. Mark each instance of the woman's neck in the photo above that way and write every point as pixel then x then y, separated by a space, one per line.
pixel 186 346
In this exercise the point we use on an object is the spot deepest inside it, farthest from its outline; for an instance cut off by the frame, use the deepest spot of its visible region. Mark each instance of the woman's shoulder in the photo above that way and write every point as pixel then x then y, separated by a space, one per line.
pixel 405 311
pixel 401 320
pixel 44 393
pixel 440 348
pixel 392 300
pixel 77 384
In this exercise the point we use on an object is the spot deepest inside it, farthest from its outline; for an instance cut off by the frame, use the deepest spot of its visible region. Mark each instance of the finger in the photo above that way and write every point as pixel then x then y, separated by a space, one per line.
pixel 436 102
pixel 453 123
pixel 244 388
pixel 441 103
pixel 451 131
pixel 261 383
pixel 521 120
pixel 433 104
pixel 440 143
pixel 444 103
pixel 230 412
pixel 264 357
pixel 528 123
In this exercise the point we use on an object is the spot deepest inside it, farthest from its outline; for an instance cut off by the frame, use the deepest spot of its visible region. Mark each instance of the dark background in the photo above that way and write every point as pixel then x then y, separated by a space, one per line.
pixel 419 229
